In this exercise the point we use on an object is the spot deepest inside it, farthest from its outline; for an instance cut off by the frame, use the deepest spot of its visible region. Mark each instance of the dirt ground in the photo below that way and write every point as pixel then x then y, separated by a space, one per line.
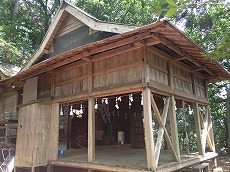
pixel 223 163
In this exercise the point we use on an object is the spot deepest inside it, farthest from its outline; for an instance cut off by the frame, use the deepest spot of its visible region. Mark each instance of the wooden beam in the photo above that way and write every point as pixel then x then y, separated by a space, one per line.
pixel 178 58
pixel 210 143
pixel 45 51
pixel 176 49
pixel 151 41
pixel 173 127
pixel 182 53
pixel 198 127
pixel 115 51
pixel 167 138
pixel 165 90
pixel 161 131
pixel 205 129
pixel 124 67
pixel 88 59
pixel 210 130
pixel 91 130
pixel 148 129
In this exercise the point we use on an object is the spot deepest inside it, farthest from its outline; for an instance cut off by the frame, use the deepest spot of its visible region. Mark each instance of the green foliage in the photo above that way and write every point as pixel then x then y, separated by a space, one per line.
pixel 135 12
pixel 25 29
pixel 218 96
pixel 207 23
pixel 185 125
pixel 9 52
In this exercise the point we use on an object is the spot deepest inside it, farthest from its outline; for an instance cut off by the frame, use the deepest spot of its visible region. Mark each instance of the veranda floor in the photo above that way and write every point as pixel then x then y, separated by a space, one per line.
pixel 123 158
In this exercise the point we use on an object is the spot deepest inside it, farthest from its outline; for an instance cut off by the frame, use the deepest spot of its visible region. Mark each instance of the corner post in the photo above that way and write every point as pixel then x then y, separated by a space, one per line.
pixel 148 129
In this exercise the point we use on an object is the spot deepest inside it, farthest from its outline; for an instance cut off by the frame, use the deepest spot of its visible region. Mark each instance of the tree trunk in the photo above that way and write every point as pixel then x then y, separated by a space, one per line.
pixel 16 7
pixel 228 113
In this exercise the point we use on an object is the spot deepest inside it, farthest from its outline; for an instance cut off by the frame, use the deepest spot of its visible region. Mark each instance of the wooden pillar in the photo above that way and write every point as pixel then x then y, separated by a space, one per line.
pixel 148 129
pixel 54 132
pixel 32 169
pixel 49 168
pixel 91 130
pixel 173 126
pixel 198 127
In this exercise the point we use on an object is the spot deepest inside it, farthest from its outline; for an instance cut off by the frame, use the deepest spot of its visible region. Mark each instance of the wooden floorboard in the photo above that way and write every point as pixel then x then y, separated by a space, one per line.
pixel 125 159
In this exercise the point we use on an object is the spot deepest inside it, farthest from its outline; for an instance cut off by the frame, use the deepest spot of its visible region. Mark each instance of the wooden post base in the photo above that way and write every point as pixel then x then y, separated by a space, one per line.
pixel 204 167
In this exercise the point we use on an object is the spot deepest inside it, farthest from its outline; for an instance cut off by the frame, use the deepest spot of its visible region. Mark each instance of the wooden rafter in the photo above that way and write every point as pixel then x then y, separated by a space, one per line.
pixel 181 52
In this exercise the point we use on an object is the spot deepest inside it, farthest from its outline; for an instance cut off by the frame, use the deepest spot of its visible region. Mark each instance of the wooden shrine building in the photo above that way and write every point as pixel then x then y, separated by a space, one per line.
pixel 100 96
pixel 8 106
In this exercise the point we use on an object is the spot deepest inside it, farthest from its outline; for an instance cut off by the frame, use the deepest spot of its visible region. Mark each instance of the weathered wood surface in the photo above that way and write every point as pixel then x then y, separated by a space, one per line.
pixel 34 132
pixel 148 127
pixel 71 23
pixel 44 85
pixel 30 89
pixel 71 81
pixel 118 70
pixel 10 103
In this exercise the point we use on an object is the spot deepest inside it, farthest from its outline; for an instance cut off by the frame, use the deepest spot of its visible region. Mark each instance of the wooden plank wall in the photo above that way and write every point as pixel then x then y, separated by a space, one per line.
pixel 119 70
pixel 42 134
pixel 70 24
pixel 10 103
pixel 33 134
pixel 44 85
pixel 200 86
pixel 71 81
pixel 182 79
pixel 25 136
pixel 158 68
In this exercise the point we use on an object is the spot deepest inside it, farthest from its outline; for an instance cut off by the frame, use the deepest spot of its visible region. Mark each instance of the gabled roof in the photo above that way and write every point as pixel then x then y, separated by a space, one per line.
pixel 162 35
pixel 7 70
pixel 90 21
